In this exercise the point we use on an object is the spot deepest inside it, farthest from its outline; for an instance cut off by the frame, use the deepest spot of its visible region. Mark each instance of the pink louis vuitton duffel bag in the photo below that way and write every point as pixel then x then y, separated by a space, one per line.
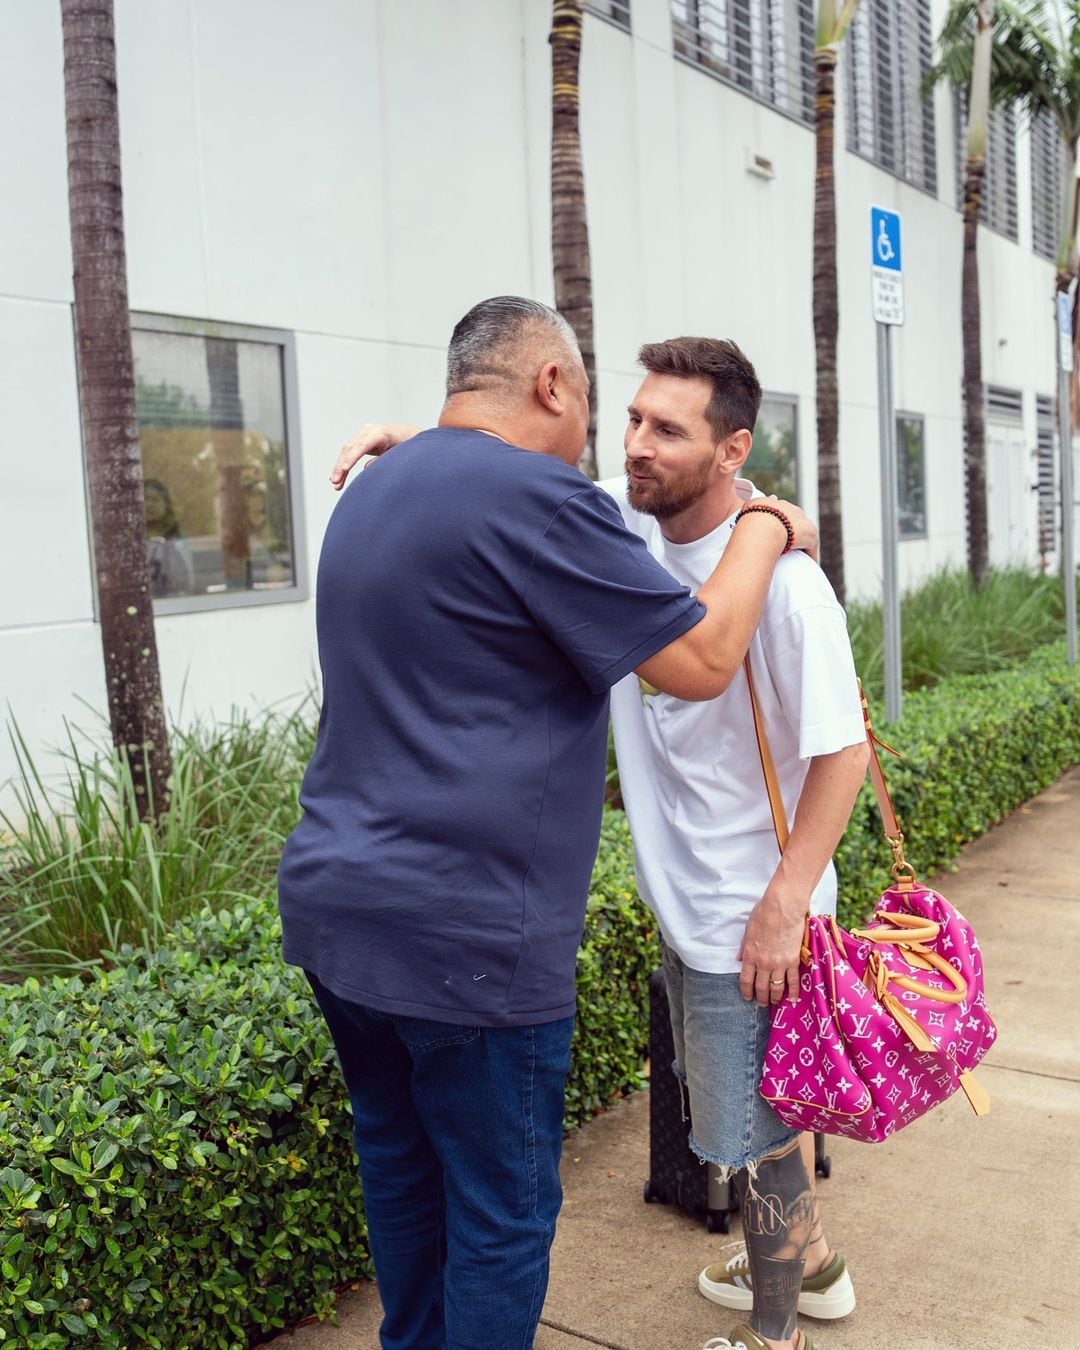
pixel 890 1019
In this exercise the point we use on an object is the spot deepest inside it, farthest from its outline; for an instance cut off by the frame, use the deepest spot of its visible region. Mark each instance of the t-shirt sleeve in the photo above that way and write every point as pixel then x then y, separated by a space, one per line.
pixel 599 594
pixel 811 666
pixel 615 488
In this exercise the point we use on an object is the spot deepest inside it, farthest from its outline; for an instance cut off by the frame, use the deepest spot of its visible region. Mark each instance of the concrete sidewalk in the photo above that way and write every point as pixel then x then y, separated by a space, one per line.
pixel 961 1234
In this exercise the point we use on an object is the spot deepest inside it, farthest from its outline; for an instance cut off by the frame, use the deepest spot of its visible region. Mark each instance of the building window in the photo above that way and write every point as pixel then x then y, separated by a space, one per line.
pixel 911 476
pixel 1044 464
pixel 772 462
pixel 887 53
pixel 997 210
pixel 213 403
pixel 763 47
pixel 618 11
pixel 1047 186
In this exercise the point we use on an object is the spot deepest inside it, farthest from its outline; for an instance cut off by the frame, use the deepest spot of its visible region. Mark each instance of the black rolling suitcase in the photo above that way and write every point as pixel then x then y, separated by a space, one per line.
pixel 677 1176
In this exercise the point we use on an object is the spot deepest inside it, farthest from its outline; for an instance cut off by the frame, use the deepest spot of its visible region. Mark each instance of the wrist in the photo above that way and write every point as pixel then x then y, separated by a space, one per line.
pixel 792 886
pixel 792 907
pixel 766 511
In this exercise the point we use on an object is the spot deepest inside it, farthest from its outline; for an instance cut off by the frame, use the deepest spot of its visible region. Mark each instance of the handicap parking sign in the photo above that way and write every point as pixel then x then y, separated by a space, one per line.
pixel 885 239
pixel 886 266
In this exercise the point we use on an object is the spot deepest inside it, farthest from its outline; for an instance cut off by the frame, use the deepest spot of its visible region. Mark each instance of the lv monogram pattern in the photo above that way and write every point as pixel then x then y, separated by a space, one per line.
pixel 840 1062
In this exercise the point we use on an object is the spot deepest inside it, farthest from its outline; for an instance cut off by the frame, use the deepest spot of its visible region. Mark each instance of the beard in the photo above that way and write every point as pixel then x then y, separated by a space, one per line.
pixel 670 494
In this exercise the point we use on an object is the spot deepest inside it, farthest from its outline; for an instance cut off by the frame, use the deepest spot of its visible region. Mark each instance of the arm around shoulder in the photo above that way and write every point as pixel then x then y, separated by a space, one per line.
pixel 702 662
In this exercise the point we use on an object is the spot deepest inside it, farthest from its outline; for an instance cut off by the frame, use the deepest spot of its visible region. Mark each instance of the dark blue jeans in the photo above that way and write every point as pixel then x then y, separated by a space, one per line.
pixel 458 1131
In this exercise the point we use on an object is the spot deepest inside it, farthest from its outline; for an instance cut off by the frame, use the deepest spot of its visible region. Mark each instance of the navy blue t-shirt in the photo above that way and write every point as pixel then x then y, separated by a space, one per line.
pixel 475 603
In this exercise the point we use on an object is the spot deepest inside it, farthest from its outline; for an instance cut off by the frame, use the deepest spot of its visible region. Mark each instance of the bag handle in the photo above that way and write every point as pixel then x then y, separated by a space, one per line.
pixel 879 973
pixel 918 928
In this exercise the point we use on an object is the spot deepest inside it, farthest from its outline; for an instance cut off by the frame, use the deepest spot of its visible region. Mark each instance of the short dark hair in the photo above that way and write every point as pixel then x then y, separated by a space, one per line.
pixel 736 393
pixel 481 351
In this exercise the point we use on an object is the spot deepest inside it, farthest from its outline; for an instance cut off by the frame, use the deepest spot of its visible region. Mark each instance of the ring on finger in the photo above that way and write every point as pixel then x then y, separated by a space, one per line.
pixel 778 981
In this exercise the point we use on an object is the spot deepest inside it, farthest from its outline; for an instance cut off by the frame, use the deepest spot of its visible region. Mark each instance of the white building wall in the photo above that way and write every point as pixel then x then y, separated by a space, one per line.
pixel 359 172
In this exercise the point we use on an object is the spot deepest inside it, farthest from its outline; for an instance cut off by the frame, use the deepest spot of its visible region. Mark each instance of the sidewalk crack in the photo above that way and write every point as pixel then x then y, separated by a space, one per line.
pixel 581 1335
pixel 1032 1073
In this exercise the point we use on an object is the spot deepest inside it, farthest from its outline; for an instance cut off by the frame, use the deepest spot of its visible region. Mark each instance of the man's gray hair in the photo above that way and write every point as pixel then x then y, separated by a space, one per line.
pixel 484 343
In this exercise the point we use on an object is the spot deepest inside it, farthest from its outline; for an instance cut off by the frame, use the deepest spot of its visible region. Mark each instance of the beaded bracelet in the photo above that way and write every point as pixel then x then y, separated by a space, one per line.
pixel 773 511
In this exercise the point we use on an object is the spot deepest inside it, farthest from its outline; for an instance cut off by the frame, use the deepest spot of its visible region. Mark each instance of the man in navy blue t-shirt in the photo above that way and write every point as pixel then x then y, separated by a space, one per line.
pixel 477 598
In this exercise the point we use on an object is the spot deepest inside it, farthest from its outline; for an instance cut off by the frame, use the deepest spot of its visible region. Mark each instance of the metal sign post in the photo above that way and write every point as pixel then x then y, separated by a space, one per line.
pixel 888 308
pixel 1068 511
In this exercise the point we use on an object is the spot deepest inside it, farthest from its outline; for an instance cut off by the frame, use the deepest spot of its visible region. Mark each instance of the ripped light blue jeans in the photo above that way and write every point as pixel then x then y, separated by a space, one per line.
pixel 458 1130
pixel 720 1042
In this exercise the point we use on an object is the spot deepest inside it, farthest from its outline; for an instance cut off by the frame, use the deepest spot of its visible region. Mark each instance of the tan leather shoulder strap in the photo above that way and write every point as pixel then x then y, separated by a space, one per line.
pixel 877 774
pixel 768 768
pixel 902 870
pixel 877 777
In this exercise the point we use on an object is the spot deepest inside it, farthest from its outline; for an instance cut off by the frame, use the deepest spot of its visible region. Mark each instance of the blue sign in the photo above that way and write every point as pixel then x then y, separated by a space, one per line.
pixel 885 239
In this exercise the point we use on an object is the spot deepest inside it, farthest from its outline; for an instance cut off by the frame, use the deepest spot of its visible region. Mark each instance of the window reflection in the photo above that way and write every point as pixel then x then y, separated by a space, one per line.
pixel 215 468
pixel 772 460
pixel 910 477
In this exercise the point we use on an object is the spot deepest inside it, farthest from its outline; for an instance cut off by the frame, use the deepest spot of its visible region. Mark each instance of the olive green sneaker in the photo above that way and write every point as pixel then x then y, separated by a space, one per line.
pixel 827 1295
pixel 746 1338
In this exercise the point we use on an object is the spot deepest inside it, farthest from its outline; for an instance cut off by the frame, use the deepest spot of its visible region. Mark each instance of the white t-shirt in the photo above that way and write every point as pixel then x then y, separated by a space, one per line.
pixel 690 773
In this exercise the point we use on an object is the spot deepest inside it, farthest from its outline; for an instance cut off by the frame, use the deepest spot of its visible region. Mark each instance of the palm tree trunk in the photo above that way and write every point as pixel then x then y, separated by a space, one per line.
pixel 107 395
pixel 974 414
pixel 569 224
pixel 827 324
pixel 978 122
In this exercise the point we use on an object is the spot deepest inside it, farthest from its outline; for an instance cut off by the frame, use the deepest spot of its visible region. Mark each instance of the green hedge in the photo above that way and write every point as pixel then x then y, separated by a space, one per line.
pixel 179 1163
pixel 176 1161
pixel 974 748
pixel 618 955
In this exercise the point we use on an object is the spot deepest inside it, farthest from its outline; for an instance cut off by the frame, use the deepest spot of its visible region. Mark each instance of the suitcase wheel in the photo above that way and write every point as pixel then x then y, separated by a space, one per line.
pixel 823 1167
pixel 652 1195
pixel 718 1221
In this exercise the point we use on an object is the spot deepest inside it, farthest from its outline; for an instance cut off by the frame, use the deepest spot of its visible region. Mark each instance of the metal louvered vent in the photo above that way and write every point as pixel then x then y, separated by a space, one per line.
pixel 1047 185
pixel 618 11
pixel 763 47
pixel 1044 419
pixel 1004 405
pixel 887 53
pixel 1044 465
pixel 998 209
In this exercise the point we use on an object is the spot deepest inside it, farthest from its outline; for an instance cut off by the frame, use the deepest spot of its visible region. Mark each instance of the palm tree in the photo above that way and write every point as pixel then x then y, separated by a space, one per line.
pixel 107 399
pixel 569 224
pixel 1036 66
pixel 965 48
pixel 832 24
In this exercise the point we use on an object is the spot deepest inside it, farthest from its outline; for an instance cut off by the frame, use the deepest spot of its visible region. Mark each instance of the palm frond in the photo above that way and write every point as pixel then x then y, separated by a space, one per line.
pixel 1035 58
pixel 832 26
pixel 846 19
pixel 955 47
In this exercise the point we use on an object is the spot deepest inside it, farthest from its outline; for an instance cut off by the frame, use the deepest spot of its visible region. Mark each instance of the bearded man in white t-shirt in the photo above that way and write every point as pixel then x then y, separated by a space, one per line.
pixel 729 908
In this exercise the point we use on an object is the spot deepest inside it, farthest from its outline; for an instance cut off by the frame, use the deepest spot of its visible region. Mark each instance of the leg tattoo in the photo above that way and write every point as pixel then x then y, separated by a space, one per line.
pixel 817 1250
pixel 778 1216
